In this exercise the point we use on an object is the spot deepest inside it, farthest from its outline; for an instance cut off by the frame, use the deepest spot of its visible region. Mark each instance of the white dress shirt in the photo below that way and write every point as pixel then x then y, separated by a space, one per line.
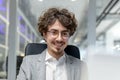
pixel 55 69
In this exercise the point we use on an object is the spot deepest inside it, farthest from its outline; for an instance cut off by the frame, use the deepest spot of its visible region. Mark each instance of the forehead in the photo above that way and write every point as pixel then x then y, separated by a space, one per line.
pixel 57 26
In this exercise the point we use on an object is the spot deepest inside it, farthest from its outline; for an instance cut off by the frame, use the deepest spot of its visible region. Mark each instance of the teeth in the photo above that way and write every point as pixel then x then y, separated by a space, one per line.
pixel 58 45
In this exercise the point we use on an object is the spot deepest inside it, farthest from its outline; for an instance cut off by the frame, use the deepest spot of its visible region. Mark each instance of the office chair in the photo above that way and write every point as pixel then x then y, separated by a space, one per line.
pixel 18 63
pixel 37 48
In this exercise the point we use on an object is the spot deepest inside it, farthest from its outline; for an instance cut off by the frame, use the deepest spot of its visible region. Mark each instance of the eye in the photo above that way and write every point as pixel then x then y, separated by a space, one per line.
pixel 54 32
pixel 65 34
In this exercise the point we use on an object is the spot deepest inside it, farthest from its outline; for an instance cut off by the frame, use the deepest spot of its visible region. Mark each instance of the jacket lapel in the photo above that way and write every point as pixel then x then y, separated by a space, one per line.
pixel 70 68
pixel 41 69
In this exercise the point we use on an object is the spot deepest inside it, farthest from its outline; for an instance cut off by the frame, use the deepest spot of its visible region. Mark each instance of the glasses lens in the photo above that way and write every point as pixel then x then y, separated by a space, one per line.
pixel 55 33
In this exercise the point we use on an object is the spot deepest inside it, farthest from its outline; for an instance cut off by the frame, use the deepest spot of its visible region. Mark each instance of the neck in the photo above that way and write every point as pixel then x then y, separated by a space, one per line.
pixel 56 55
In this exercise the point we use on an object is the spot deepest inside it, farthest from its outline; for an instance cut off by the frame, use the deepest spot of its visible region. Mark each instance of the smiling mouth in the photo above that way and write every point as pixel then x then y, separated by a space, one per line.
pixel 58 44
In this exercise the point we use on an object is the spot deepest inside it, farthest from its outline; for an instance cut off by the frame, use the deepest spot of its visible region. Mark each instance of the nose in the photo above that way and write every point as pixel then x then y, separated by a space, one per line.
pixel 59 37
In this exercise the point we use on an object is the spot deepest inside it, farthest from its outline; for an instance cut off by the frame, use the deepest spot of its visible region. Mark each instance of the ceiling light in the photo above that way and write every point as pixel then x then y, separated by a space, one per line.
pixel 73 0
pixel 40 0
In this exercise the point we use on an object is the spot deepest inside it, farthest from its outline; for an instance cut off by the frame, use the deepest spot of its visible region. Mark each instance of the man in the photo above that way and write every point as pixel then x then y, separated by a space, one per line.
pixel 56 26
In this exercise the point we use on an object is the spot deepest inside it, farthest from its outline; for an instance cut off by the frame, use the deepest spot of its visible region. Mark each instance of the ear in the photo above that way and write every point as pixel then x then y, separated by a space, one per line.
pixel 44 35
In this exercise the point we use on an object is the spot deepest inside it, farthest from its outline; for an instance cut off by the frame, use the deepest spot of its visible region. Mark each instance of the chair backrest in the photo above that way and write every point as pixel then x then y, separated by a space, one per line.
pixel 37 48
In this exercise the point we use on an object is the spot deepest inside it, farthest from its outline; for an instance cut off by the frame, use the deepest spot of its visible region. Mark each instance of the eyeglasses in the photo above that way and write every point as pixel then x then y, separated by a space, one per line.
pixel 55 33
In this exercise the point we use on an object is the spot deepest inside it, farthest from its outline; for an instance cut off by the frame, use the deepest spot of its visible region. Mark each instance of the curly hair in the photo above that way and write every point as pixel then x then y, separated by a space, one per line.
pixel 66 18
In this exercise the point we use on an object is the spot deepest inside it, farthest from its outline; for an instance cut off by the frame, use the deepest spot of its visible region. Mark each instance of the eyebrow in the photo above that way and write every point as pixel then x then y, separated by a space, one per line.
pixel 61 31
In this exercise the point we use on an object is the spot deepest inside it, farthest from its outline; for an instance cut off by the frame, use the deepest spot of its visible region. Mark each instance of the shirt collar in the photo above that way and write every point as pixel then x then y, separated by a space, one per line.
pixel 49 58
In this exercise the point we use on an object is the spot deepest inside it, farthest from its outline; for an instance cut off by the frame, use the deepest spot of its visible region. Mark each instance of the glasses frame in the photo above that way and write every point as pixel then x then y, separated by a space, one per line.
pixel 55 33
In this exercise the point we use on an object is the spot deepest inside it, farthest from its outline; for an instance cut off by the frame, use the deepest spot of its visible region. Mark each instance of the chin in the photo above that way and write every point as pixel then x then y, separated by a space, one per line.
pixel 58 51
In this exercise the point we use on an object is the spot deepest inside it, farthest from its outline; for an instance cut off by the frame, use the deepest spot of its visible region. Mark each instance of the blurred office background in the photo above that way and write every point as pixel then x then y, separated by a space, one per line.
pixel 98 29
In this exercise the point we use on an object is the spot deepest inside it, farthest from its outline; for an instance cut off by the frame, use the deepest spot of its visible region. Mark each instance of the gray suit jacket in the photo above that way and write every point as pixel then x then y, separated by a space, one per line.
pixel 33 68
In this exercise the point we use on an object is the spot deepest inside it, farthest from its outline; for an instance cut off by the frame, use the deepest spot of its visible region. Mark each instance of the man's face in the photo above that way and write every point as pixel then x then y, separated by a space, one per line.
pixel 57 38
